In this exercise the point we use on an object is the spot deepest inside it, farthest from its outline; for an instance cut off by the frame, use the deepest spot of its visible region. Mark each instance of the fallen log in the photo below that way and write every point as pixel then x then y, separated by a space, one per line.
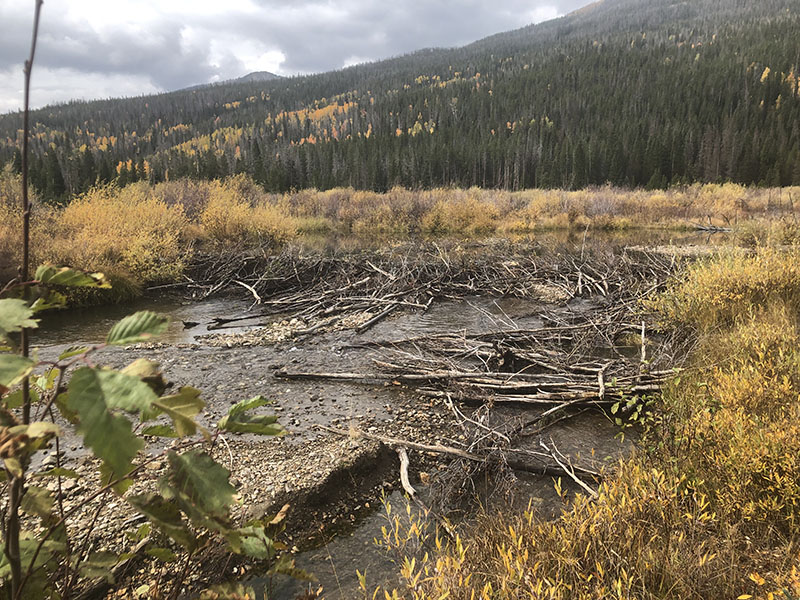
pixel 377 318
pixel 545 469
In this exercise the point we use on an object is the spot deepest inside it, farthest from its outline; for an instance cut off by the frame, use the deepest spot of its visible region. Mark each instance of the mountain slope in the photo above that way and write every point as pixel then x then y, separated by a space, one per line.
pixel 632 92
pixel 254 77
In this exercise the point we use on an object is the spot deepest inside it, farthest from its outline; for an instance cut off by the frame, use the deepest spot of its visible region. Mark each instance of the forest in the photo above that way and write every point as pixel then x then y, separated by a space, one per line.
pixel 667 94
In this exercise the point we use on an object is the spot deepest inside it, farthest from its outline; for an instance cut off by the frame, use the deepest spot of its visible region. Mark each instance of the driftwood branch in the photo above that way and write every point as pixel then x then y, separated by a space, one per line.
pixel 401 452
pixel 395 442
pixel 250 289
pixel 554 470
pixel 567 468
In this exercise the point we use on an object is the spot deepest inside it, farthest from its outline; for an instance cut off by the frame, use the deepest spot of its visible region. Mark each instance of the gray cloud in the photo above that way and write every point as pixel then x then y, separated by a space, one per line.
pixel 88 49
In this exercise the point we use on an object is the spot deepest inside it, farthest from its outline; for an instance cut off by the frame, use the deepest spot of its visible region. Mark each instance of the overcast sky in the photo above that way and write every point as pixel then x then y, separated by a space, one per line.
pixel 109 48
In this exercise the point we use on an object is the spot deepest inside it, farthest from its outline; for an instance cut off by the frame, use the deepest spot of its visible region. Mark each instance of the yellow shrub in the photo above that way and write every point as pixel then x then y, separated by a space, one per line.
pixel 230 217
pixel 119 230
pixel 467 216
pixel 716 291
pixel 10 224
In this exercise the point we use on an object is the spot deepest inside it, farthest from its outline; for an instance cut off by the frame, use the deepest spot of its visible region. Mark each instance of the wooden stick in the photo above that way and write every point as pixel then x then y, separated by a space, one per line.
pixel 405 443
pixel 250 289
pixel 379 317
pixel 401 452
pixel 570 472
pixel 644 345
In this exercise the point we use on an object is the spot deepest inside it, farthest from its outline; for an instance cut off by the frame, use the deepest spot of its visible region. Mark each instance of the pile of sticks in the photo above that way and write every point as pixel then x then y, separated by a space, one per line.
pixel 599 354
pixel 601 357
pixel 329 288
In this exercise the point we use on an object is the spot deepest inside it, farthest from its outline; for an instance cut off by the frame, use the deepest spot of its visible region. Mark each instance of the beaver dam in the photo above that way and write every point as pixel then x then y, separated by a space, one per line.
pixel 464 375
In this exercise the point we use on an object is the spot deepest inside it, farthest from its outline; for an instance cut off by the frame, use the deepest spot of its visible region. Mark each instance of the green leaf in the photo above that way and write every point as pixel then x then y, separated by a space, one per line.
pixel 245 405
pixel 47 380
pixel 14 368
pixel 181 407
pixel 98 566
pixel 61 404
pixel 93 395
pixel 238 421
pixel 261 425
pixel 14 400
pixel 200 483
pixel 166 517
pixel 14 466
pixel 15 315
pixel 39 429
pixel 253 542
pixel 52 275
pixel 59 472
pixel 29 547
pixel 49 301
pixel 164 555
pixel 148 371
pixel 160 431
pixel 37 502
pixel 142 532
pixel 138 327
pixel 116 390
pixel 72 351
pixel 107 476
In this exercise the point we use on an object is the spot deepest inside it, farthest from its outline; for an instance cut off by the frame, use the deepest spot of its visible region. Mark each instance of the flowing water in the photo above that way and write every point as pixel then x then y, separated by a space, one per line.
pixel 188 320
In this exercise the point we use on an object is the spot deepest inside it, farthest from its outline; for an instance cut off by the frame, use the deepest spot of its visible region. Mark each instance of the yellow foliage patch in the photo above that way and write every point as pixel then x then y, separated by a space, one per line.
pixel 119 231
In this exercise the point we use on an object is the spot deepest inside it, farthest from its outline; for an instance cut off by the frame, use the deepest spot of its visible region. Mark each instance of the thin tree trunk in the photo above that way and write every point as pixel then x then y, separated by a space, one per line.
pixel 17 487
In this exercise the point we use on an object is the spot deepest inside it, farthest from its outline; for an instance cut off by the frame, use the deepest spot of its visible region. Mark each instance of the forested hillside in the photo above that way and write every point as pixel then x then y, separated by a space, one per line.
pixel 632 92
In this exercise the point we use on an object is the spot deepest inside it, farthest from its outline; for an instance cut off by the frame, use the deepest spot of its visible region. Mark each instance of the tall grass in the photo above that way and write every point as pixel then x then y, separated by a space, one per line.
pixel 708 507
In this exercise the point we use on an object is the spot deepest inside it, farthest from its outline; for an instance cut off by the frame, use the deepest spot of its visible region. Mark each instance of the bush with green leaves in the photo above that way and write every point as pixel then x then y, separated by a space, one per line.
pixel 46 551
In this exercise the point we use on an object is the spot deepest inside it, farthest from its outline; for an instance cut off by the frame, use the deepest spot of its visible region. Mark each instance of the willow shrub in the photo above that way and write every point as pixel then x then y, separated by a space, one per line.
pixel 238 213
pixel 10 223
pixel 718 292
pixel 120 231
pixel 465 214
pixel 708 507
